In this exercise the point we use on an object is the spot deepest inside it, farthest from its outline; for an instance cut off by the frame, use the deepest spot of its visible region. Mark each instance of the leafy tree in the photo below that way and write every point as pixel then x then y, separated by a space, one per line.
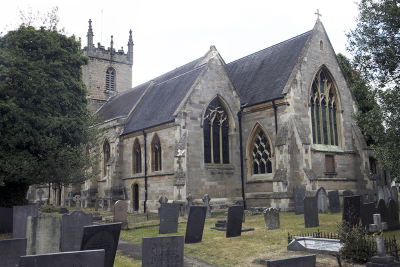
pixel 45 126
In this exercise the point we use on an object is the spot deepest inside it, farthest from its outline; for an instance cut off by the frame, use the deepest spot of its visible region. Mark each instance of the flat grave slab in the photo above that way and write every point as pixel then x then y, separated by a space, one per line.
pixel 298 195
pixel 195 224
pixel 234 224
pixel 162 251
pixel 311 212
pixel 20 216
pixel 334 202
pixel 72 229
pixel 300 261
pixel 315 245
pixel 169 214
pixel 6 220
pixel 11 250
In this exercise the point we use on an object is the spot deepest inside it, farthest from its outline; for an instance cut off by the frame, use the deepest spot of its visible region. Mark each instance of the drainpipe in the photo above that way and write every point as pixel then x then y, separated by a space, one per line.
pixel 145 172
pixel 276 119
pixel 240 114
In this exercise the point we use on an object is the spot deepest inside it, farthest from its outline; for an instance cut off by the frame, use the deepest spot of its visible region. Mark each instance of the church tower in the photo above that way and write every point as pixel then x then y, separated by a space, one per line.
pixel 108 73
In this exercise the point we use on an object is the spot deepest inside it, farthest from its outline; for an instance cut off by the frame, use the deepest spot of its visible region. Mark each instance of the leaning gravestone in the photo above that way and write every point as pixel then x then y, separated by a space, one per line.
pixel 351 210
pixel 360 193
pixel 195 224
pixel 105 237
pixel 189 203
pixel 383 210
pixel 393 210
pixel 371 196
pixel 20 215
pixel 120 212
pixel 11 250
pixel 6 220
pixel 322 200
pixel 271 218
pixel 72 229
pixel 387 194
pixel 169 215
pixel 368 211
pixel 311 212
pixel 298 195
pixel 90 258
pixel 395 195
pixel 206 199
pixel 334 202
pixel 381 193
pixel 162 251
pixel 43 233
pixel 234 224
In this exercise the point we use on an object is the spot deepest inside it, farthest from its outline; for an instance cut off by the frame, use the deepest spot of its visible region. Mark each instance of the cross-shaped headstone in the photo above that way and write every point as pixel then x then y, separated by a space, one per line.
pixel 77 200
pixel 96 204
pixel 378 227
pixel 163 199
pixel 318 14
pixel 190 200
pixel 40 192
pixel 206 200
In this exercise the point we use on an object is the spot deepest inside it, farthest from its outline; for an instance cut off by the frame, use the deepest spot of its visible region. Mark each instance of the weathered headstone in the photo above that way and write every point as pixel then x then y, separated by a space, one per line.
pixel 395 195
pixel 334 202
pixel 89 258
pixel 271 218
pixel 322 200
pixel 360 193
pixel 234 224
pixel 298 195
pixel 169 215
pixel 206 199
pixel 381 193
pixel 300 261
pixel 240 203
pixel 189 203
pixel 315 245
pixel 20 215
pixel 72 229
pixel 11 250
pixel 6 220
pixel 368 211
pixel 162 251
pixel 351 210
pixel 387 194
pixel 105 204
pixel 311 212
pixel 77 200
pixel 121 212
pixel 162 199
pixel 96 213
pixel 105 237
pixel 40 192
pixel 43 233
pixel 347 193
pixel 383 210
pixel 393 210
pixel 195 224
pixel 371 196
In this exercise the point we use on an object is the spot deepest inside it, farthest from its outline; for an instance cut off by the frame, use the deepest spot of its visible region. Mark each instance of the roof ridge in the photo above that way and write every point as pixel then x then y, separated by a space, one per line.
pixel 272 46
pixel 130 90
pixel 202 65
pixel 176 68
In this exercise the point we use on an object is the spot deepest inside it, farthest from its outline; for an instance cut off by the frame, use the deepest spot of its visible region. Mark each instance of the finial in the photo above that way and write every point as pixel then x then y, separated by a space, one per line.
pixel 112 43
pixel 318 14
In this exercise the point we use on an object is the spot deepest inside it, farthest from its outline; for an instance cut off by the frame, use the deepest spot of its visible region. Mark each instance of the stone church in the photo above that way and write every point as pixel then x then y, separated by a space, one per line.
pixel 250 130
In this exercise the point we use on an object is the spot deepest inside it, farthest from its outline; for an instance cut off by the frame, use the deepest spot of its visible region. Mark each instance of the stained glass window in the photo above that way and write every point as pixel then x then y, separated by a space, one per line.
pixel 216 134
pixel 137 157
pixel 156 154
pixel 106 156
pixel 110 79
pixel 261 152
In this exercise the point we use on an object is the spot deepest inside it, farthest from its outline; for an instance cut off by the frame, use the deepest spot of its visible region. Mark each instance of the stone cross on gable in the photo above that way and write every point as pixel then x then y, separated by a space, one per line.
pixel 77 200
pixel 318 14
pixel 379 226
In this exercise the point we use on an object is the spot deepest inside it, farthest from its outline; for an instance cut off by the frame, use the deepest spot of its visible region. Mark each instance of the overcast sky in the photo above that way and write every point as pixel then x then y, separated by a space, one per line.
pixel 171 33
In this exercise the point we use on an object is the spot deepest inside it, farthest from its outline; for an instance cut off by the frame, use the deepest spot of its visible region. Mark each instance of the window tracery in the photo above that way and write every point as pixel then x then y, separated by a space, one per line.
pixel 262 162
pixel 110 79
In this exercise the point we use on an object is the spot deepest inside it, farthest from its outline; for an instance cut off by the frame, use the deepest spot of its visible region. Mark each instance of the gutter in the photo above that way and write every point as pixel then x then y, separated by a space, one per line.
pixel 276 119
pixel 145 172
pixel 240 114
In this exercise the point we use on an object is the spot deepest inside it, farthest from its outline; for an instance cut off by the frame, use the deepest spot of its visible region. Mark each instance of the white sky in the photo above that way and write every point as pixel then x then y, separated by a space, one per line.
pixel 171 33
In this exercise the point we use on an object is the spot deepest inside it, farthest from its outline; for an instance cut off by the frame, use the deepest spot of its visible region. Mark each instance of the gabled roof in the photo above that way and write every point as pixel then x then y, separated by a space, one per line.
pixel 262 76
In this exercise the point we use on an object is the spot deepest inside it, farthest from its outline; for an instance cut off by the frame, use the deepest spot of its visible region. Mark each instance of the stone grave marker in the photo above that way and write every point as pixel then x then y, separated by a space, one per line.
pixel 6 220
pixel 271 218
pixel 383 210
pixel 40 192
pixel 105 205
pixel 162 199
pixel 371 197
pixel 347 193
pixel 20 216
pixel 369 210
pixel 169 218
pixel 72 229
pixel 351 210
pixel 206 199
pixel 240 202
pixel 189 203
pixel 315 245
pixel 298 195
pixel 121 212
pixel 11 250
pixel 234 224
pixel 387 194
pixel 195 224
pixel 360 193
pixel 311 212
pixel 103 236
pixel 299 261
pixel 96 213
pixel 89 258
pixel 381 193
pixel 393 210
pixel 395 195
pixel 322 201
pixel 77 200
pixel 334 202
pixel 162 251
pixel 43 234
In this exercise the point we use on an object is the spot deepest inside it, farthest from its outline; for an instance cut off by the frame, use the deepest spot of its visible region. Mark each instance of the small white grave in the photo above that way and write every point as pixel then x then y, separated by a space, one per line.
pixel 315 245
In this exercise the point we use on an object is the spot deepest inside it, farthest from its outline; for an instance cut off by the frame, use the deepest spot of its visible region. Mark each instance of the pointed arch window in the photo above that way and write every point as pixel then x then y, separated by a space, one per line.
pixel 137 157
pixel 216 134
pixel 106 156
pixel 262 162
pixel 110 79
pixel 156 154
pixel 324 110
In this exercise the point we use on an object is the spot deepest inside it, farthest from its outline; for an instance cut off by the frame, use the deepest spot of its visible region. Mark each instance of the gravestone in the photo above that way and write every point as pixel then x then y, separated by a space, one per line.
pixel 77 200
pixel 311 212
pixel 90 258
pixel 381 193
pixel 162 199
pixel 162 251
pixel 72 229
pixel 189 203
pixel 43 234
pixel 347 193
pixel 386 191
pixel 195 224
pixel 351 210
pixel 120 212
pixel 395 195
pixel 383 210
pixel 105 237
pixel 169 215
pixel 96 213
pixel 63 210
pixel 11 250
pixel 362 198
pixel 240 202
pixel 40 192
pixel 299 261
pixel 322 200
pixel 206 199
pixel 368 211
pixel 105 205
pixel 271 218
pixel 20 215
pixel 393 210
pixel 6 220
pixel 371 196
pixel 334 202
pixel 315 245
pixel 234 224
pixel 298 195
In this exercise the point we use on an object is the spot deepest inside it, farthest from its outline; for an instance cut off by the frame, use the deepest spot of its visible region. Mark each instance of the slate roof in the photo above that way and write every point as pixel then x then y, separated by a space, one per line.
pixel 262 76
pixel 159 104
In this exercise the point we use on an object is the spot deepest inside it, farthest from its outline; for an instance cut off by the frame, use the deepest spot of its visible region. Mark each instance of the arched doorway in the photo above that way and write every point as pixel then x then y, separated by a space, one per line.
pixel 135 188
